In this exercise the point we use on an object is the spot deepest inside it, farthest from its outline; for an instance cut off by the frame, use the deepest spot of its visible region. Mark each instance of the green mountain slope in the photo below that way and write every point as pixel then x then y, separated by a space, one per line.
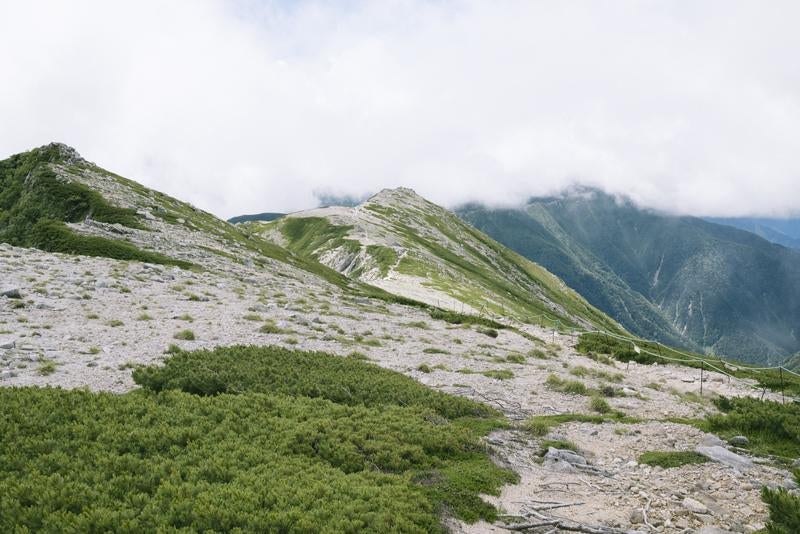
pixel 54 200
pixel 680 280
pixel 400 242
pixel 784 232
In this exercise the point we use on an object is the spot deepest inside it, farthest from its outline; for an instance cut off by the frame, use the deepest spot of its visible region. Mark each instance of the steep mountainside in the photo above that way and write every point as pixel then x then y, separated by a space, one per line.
pixel 677 279
pixel 784 232
pixel 400 242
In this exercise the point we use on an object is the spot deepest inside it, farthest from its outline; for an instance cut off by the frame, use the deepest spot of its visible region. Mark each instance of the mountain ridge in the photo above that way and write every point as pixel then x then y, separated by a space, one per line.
pixel 688 281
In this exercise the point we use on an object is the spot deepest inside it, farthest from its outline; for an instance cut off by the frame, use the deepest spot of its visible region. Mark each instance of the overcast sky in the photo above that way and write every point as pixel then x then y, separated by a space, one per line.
pixel 249 106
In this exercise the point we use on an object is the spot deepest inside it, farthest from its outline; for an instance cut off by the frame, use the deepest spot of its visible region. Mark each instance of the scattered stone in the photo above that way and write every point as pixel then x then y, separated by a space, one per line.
pixel 724 456
pixel 7 344
pixel 11 293
pixel 565 455
pixel 713 530
pixel 694 506
pixel 636 517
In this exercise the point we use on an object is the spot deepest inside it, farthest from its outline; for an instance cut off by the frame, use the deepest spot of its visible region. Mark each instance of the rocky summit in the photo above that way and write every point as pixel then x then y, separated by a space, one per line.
pixel 510 406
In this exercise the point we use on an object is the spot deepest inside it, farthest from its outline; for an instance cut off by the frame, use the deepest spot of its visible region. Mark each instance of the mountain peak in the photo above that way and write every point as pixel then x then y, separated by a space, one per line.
pixel 404 195
pixel 62 152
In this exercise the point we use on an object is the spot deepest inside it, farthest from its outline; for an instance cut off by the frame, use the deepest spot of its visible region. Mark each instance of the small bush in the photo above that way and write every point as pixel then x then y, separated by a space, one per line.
pixel 491 332
pixel 115 323
pixel 434 350
pixel 460 318
pixel 252 317
pixel 538 354
pixel 573 387
pixel 671 459
pixel 515 358
pixel 784 509
pixel 498 374
pixel 185 335
pixel 425 368
pixel 46 368
pixel 599 405
pixel 144 317
pixel 556 444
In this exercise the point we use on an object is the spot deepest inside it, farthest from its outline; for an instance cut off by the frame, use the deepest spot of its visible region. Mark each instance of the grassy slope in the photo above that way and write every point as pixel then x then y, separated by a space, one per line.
pixel 35 204
pixel 479 271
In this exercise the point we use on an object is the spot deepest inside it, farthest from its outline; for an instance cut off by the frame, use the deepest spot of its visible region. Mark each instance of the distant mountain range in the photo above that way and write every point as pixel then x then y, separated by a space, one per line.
pixel 784 232
pixel 681 280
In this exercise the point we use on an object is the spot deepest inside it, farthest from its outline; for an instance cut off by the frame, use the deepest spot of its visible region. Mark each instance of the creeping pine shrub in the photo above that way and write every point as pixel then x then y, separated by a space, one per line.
pixel 301 442
pixel 668 459
pixel 772 428
pixel 784 509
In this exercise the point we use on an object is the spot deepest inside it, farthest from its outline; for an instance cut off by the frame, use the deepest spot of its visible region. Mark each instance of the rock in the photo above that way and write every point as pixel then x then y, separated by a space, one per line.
pixel 724 456
pixel 568 456
pixel 739 441
pixel 694 506
pixel 560 466
pixel 146 214
pixel 11 293
pixel 796 463
pixel 6 374
pixel 713 530
pixel 629 392
pixel 636 517
pixel 7 344
pixel 711 441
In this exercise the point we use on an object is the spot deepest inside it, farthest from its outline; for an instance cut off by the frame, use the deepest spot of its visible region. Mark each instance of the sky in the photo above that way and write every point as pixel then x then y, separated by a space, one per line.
pixel 244 106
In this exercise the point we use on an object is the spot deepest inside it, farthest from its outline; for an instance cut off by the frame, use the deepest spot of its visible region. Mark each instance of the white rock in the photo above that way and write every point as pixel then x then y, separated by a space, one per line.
pixel 694 506
pixel 724 456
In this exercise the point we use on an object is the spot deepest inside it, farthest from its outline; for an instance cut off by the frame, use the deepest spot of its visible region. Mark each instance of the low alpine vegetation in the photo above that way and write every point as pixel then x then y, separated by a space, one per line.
pixel 251 439
pixel 671 459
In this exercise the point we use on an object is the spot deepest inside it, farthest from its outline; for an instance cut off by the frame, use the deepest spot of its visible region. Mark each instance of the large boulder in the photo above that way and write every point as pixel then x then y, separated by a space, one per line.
pixel 724 456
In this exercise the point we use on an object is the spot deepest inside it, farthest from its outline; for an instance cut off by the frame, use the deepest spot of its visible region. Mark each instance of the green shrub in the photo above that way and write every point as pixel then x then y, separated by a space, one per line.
pixel 186 335
pixel 538 354
pixel 599 405
pixel 161 459
pixel 292 372
pixel 542 424
pixel 46 368
pixel 784 509
pixel 434 350
pixel 573 387
pixel 460 318
pixel 556 444
pixel 499 374
pixel 55 236
pixel 772 428
pixel 669 459
pixel 491 332
pixel 425 368
pixel 515 358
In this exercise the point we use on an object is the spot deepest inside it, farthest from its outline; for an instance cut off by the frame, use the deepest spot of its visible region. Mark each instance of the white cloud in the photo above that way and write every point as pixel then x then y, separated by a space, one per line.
pixel 252 106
